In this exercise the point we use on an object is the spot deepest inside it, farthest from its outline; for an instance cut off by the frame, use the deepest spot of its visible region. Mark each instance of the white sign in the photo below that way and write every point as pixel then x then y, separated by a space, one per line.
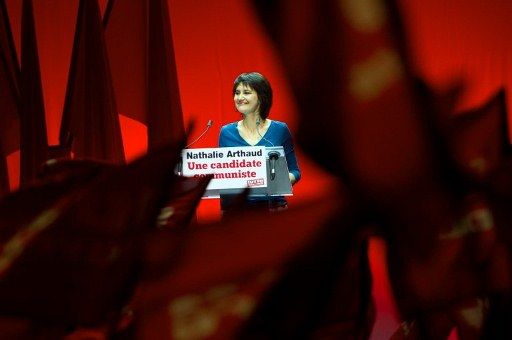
pixel 233 168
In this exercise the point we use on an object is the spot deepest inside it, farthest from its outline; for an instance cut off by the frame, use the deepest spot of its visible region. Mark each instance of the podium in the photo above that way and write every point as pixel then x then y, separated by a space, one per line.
pixel 276 181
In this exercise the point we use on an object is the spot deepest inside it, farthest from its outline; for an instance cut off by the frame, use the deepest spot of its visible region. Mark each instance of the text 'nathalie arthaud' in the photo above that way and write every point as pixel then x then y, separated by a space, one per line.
pixel 218 154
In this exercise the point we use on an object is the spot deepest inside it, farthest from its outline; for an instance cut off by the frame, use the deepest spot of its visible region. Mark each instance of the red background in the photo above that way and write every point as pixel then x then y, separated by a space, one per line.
pixel 216 40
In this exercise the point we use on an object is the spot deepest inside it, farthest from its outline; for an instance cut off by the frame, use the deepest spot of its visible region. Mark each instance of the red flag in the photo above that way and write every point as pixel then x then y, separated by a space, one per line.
pixel 33 138
pixel 10 75
pixel 9 97
pixel 146 84
pixel 223 270
pixel 16 328
pixel 90 115
pixel 343 60
pixel 30 210
pixel 478 141
pixel 497 325
pixel 472 258
pixel 84 247
pixel 345 63
pixel 4 177
pixel 325 291
pixel 62 170
pixel 185 197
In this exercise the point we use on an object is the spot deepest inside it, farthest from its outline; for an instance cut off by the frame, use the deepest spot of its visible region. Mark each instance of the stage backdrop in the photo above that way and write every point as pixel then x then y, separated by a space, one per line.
pixel 216 40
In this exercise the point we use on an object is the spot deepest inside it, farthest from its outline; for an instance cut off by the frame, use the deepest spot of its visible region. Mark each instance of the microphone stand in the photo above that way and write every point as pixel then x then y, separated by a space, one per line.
pixel 179 165
pixel 208 126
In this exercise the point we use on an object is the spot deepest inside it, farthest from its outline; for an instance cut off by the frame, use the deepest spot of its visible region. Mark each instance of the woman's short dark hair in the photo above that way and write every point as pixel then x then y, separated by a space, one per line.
pixel 260 84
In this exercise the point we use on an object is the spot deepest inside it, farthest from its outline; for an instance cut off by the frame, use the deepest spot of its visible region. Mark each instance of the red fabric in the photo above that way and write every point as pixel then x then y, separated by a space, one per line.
pixel 90 114
pixel 478 138
pixel 349 64
pixel 55 33
pixel 353 72
pixel 165 121
pixel 125 35
pixel 4 177
pixel 470 257
pixel 454 47
pixel 186 194
pixel 414 211
pixel 33 139
pixel 223 269
pixel 324 291
pixel 64 170
pixel 217 312
pixel 453 267
pixel 82 246
pixel 37 201
pixel 466 318
pixel 9 97
pixel 442 48
pixel 146 84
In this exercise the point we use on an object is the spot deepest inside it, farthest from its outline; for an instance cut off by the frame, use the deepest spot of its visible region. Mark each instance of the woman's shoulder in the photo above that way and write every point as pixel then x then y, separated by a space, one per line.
pixel 279 124
pixel 230 126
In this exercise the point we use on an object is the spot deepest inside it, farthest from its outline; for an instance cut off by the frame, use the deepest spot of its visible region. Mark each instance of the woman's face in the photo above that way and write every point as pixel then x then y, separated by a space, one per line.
pixel 246 99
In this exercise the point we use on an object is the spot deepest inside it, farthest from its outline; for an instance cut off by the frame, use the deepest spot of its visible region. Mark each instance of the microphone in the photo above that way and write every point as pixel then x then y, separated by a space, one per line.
pixel 258 130
pixel 273 156
pixel 208 126
pixel 179 166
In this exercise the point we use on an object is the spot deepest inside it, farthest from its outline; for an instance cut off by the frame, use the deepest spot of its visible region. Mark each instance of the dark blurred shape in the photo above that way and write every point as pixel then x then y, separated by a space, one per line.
pixel 33 138
pixel 60 151
pixel 72 170
pixel 9 97
pixel 222 272
pixel 4 176
pixel 359 112
pixel 410 164
pixel 78 242
pixel 469 266
pixel 499 319
pixel 90 114
pixel 186 194
pixel 347 72
pixel 324 291
pixel 146 83
pixel 479 144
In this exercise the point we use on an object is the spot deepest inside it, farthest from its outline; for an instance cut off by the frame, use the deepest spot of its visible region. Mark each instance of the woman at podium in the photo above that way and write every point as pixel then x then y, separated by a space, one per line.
pixel 252 95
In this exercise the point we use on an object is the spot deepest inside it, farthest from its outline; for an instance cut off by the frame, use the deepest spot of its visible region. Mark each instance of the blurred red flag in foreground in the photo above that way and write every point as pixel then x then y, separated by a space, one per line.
pixel 471 260
pixel 185 197
pixel 296 265
pixel 73 255
pixel 347 60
